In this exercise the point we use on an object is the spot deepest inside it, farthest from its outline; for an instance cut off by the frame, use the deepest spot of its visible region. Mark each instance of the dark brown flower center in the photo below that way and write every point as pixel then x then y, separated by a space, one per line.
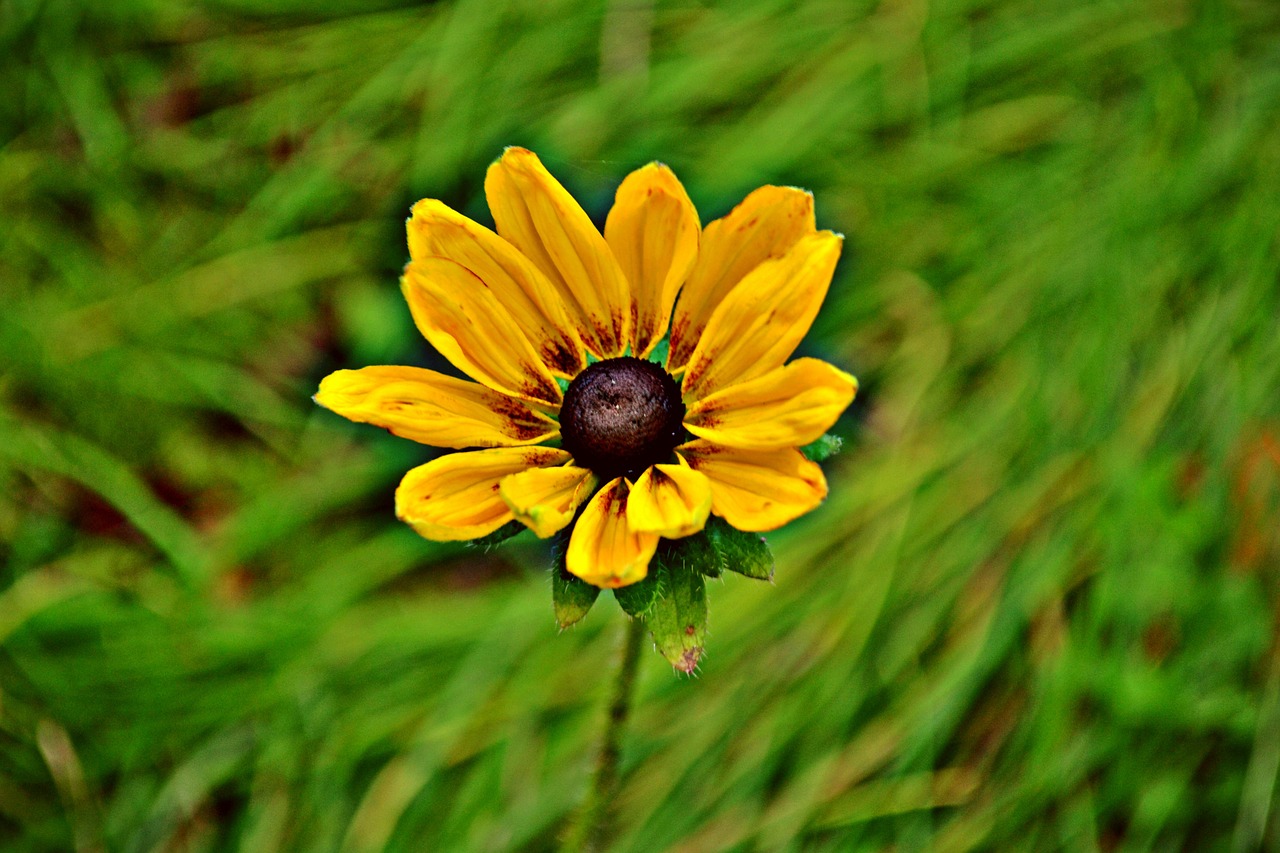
pixel 620 416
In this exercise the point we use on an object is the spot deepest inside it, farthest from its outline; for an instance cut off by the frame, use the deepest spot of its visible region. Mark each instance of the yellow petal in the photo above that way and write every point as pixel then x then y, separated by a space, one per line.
pixel 603 549
pixel 786 407
pixel 533 302
pixel 457 496
pixel 432 408
pixel 757 490
pixel 669 500
pixel 653 231
pixel 539 217
pixel 760 322
pixel 545 499
pixel 765 225
pixel 464 320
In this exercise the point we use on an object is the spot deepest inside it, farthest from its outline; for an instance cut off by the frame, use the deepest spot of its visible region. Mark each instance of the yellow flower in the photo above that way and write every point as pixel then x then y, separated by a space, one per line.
pixel 573 403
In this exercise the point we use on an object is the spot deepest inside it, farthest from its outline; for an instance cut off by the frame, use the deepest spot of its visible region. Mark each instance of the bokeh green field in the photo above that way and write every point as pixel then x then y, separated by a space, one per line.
pixel 1038 611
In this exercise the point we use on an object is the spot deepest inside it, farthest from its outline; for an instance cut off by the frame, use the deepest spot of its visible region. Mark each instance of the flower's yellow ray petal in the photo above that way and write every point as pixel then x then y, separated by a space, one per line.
pixel 539 217
pixel 653 231
pixel 464 320
pixel 432 408
pixel 669 500
pixel 545 499
pixel 603 549
pixel 760 322
pixel 533 302
pixel 458 496
pixel 766 224
pixel 786 407
pixel 757 490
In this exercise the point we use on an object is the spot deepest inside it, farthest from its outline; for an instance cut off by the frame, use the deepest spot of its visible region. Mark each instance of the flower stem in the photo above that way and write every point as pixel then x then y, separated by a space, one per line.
pixel 594 822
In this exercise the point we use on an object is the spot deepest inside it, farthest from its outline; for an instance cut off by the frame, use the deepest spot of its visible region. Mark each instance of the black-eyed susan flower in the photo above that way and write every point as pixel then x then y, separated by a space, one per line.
pixel 637 380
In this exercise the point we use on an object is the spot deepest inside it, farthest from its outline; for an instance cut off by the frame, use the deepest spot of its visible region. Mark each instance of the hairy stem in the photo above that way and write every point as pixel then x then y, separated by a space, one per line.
pixel 594 822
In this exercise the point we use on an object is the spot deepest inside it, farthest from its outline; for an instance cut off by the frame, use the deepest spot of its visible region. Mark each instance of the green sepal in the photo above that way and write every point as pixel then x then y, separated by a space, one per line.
pixel 745 553
pixel 822 449
pixel 698 552
pixel 571 597
pixel 677 620
pixel 661 351
pixel 497 537
pixel 563 383
pixel 636 599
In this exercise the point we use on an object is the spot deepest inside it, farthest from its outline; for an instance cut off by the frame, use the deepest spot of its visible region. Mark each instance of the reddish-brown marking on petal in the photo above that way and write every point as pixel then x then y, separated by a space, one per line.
pixel 538 456
pixel 706 449
pixel 518 417
pixel 678 329
pixel 693 375
pixel 610 498
pixel 535 391
pixel 604 333
pixel 560 358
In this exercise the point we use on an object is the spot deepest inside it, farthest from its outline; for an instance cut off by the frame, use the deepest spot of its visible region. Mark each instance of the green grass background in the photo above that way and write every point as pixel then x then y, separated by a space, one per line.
pixel 1037 612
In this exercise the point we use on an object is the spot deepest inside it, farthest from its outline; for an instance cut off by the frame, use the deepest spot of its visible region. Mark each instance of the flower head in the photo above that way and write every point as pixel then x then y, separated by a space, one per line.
pixel 637 381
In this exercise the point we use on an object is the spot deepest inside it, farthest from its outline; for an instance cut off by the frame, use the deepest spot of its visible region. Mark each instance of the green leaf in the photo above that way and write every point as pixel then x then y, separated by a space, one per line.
pixel 497 537
pixel 745 553
pixel 822 449
pixel 696 552
pixel 637 598
pixel 571 596
pixel 66 454
pixel 678 619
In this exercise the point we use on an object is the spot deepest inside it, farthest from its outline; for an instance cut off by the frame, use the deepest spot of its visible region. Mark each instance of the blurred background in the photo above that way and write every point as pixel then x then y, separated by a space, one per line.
pixel 1038 611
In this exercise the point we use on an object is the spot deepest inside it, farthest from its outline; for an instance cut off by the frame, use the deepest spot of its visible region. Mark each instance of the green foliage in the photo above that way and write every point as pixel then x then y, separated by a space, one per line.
pixel 677 618
pixel 636 599
pixel 718 548
pixel 736 551
pixel 823 449
pixel 715 549
pixel 1036 611
pixel 698 552
pixel 661 351
pixel 497 537
pixel 571 597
